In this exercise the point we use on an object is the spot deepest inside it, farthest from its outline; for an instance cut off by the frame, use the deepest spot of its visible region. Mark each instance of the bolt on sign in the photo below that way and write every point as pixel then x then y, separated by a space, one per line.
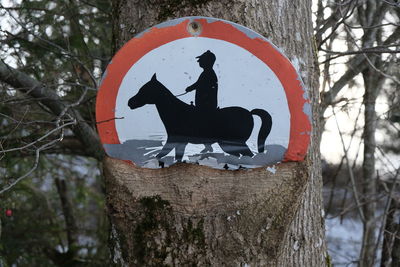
pixel 205 91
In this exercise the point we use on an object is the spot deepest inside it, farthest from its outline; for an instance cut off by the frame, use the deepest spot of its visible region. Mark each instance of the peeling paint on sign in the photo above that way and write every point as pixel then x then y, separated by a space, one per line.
pixel 204 91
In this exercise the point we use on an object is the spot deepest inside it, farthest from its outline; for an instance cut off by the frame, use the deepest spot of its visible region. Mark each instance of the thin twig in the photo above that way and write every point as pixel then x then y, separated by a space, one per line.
pixel 36 162
pixel 39 139
pixel 353 183
pixel 385 213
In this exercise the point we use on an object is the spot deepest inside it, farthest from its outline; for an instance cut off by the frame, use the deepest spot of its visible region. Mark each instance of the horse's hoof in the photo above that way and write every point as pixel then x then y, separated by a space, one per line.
pixel 161 164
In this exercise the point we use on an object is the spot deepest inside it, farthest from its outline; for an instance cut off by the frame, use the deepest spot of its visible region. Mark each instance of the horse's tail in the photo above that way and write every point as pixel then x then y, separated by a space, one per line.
pixel 266 123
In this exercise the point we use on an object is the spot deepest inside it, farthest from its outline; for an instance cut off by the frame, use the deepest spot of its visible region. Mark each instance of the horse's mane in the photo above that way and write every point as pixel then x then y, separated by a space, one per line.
pixel 169 94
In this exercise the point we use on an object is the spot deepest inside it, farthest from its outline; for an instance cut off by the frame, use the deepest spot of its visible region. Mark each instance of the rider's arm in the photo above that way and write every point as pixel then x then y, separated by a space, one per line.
pixel 191 87
pixel 195 85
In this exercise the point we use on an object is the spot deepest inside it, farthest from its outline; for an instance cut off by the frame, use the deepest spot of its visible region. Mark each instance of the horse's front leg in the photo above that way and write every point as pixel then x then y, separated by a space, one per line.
pixel 166 149
pixel 180 151
pixel 207 148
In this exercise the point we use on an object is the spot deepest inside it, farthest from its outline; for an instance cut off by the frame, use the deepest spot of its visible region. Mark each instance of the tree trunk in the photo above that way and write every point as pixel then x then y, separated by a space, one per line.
pixel 373 82
pixel 195 215
pixel 389 237
pixel 367 254
pixel 396 248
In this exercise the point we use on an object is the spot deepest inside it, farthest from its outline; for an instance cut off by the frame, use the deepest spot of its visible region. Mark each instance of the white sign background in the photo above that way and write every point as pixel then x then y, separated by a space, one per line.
pixel 243 80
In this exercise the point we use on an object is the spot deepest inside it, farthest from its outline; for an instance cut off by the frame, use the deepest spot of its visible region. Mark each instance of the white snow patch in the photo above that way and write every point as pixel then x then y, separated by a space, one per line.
pixel 272 169
pixel 344 239
pixel 298 36
pixel 153 164
pixel 319 243
pixel 296 245
pixel 297 62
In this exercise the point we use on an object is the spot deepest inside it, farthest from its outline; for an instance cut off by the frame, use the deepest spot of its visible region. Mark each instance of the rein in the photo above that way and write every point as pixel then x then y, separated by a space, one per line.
pixel 181 94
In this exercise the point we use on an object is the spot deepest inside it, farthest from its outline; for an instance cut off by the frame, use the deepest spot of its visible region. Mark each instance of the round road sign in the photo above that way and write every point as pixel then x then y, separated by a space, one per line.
pixel 206 91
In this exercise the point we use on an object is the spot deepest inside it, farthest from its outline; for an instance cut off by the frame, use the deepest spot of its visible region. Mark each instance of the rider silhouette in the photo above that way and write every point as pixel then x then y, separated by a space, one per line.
pixel 206 85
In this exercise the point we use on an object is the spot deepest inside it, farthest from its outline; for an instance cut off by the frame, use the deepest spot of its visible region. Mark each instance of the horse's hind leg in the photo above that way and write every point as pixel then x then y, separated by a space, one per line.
pixel 236 149
pixel 208 148
pixel 245 150
pixel 229 148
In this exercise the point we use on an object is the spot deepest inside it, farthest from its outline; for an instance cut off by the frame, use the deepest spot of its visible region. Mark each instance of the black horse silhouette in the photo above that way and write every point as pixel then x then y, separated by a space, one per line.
pixel 230 127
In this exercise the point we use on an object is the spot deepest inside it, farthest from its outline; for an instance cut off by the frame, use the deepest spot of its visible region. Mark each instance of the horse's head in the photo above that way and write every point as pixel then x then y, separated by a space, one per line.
pixel 148 94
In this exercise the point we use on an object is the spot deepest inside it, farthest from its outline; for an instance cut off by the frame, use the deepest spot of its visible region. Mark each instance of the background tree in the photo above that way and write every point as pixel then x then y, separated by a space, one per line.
pixel 365 34
pixel 47 132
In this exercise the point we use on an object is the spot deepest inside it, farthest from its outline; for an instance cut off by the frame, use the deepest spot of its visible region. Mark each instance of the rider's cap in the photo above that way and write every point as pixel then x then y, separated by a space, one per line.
pixel 207 55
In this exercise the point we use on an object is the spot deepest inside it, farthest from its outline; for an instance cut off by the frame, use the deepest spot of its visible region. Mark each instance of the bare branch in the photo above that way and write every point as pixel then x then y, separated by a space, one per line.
pixel 36 163
pixel 352 179
pixel 334 21
pixel 39 139
pixel 372 50
pixel 52 101
pixel 356 65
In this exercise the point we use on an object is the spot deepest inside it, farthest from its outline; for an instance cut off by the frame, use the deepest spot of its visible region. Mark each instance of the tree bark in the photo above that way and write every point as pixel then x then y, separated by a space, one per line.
pixel 195 215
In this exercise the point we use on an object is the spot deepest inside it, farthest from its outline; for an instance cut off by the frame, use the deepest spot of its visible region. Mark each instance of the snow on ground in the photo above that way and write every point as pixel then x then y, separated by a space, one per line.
pixel 344 240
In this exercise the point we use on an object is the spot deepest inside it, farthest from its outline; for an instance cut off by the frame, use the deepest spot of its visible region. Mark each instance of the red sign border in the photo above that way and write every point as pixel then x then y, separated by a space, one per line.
pixel 136 48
